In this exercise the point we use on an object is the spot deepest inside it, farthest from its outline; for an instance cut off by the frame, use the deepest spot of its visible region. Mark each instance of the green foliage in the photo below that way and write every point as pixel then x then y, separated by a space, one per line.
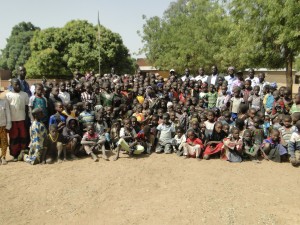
pixel 76 47
pixel 244 33
pixel 189 35
pixel 17 50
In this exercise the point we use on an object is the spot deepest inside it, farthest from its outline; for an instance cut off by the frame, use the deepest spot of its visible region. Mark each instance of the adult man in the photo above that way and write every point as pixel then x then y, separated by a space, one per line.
pixel 230 78
pixel 261 82
pixel 214 77
pixel 201 75
pixel 23 83
pixel 187 75
pixel 254 80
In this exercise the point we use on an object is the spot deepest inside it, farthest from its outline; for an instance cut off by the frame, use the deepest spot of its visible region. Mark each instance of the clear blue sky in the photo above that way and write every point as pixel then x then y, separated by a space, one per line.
pixel 120 16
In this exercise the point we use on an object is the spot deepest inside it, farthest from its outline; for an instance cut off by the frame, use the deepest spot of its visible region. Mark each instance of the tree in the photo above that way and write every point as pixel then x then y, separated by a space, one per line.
pixel 76 47
pixel 17 50
pixel 268 32
pixel 189 34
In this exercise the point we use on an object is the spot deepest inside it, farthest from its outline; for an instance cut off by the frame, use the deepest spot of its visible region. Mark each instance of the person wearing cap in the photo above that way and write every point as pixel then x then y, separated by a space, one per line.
pixel 172 73
pixel 254 80
pixel 201 75
pixel 212 79
pixel 230 78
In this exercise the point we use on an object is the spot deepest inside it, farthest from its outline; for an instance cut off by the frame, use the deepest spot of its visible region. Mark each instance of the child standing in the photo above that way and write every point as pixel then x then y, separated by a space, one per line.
pixel 39 101
pixel 235 103
pixel 209 123
pixel 5 126
pixel 38 133
pixel 212 96
pixel 255 99
pixel 58 118
pixel 63 94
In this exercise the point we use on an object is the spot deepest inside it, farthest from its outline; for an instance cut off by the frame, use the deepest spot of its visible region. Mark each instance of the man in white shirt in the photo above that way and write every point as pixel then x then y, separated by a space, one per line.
pixel 187 75
pixel 201 75
pixel 213 79
pixel 261 82
pixel 254 80
pixel 230 78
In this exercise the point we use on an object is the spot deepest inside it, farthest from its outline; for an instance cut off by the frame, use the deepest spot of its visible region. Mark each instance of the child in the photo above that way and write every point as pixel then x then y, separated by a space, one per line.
pixel 271 147
pixel 71 134
pixel 247 91
pixel 38 133
pixel 294 146
pixel 165 134
pixel 63 94
pixel 232 148
pixel 266 126
pixel 286 130
pixel 255 99
pixel 296 106
pixel 223 100
pixel 68 110
pixel 127 140
pixel 91 141
pixel 58 118
pixel 5 126
pixel 53 146
pixel 257 131
pixel 214 142
pixel 249 120
pixel 212 96
pixel 89 95
pixel 18 104
pixel 193 146
pixel 178 140
pixel 39 101
pixel 209 123
pixel 250 148
pixel 235 103
pixel 87 117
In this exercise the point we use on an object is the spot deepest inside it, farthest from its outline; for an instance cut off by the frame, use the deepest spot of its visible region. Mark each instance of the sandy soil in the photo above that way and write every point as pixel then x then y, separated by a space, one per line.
pixel 159 189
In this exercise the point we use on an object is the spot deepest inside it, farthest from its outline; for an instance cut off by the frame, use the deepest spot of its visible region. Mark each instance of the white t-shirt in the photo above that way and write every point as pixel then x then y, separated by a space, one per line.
pixel 17 103
pixel 202 78
pixel 166 133
pixel 64 96
pixel 213 79
pixel 254 81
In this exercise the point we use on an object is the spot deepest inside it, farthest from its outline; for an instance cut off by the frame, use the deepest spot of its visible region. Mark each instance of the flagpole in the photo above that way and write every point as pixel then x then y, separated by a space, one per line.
pixel 99 45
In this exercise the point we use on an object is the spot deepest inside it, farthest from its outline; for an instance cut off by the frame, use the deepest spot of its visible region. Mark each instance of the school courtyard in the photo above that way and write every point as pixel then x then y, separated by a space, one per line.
pixel 155 189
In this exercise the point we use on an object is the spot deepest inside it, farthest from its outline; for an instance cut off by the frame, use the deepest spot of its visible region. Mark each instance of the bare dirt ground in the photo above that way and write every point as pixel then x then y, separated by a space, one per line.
pixel 159 189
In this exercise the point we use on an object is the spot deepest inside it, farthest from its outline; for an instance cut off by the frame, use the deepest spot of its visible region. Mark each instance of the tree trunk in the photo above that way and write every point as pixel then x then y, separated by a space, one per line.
pixel 289 72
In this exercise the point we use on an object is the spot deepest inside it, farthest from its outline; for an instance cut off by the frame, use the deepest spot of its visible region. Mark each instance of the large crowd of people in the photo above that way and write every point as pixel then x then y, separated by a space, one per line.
pixel 201 116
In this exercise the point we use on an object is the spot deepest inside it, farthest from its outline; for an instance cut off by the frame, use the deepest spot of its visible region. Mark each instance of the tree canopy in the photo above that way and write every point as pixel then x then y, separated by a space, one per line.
pixel 60 51
pixel 244 33
pixel 17 50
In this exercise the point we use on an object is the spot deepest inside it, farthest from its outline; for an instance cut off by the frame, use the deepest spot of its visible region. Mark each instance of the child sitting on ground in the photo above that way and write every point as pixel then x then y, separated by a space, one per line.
pixel 193 146
pixel 165 135
pixel 232 148
pixel 271 147
pixel 91 141
pixel 178 140
pixel 294 146
pixel 214 142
